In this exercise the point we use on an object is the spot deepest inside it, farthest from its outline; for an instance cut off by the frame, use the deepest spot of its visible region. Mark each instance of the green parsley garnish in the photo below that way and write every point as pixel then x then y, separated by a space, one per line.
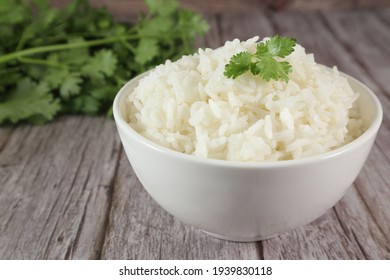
pixel 263 62
pixel 74 59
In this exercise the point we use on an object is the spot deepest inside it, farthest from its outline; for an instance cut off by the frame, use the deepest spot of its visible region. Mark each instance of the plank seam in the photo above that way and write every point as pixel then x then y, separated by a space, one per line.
pixel 269 15
pixel 4 226
pixel 384 154
pixel 7 136
pixel 360 246
pixel 260 250
pixel 219 27
pixel 343 226
pixel 46 253
pixel 356 184
pixel 82 220
pixel 110 197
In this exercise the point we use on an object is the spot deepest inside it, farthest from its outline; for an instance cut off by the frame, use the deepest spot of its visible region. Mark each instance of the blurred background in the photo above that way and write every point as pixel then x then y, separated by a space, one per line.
pixel 125 8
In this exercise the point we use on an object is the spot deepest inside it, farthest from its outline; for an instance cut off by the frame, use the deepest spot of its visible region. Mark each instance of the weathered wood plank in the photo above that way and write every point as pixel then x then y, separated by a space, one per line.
pixel 5 134
pixel 334 4
pixel 316 4
pixel 368 41
pixel 353 214
pixel 373 184
pixel 321 239
pixel 55 189
pixel 140 229
pixel 316 37
pixel 348 231
pixel 245 26
pixel 213 37
pixel 371 55
pixel 384 15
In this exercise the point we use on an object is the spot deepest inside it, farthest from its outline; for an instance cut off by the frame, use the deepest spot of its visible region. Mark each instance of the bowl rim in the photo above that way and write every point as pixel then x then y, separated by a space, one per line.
pixel 364 137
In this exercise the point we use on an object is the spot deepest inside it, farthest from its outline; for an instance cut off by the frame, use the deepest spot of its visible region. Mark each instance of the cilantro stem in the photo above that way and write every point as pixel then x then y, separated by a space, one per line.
pixel 128 46
pixel 59 47
pixel 38 61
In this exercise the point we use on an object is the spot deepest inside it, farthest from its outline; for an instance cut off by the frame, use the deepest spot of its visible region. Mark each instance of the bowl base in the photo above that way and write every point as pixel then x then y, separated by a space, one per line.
pixel 240 238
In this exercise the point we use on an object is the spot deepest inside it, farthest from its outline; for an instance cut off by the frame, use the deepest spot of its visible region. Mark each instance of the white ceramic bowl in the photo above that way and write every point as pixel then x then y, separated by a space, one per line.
pixel 247 201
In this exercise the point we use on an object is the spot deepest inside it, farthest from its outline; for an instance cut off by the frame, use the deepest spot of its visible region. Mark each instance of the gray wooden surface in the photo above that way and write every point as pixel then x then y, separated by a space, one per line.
pixel 67 190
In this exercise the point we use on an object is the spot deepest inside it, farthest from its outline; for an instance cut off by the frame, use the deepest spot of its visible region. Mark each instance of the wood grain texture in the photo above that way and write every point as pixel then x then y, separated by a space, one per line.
pixel 333 4
pixel 384 16
pixel 322 239
pixel 245 26
pixel 67 190
pixel 140 229
pixel 55 189
pixel 372 52
pixel 213 37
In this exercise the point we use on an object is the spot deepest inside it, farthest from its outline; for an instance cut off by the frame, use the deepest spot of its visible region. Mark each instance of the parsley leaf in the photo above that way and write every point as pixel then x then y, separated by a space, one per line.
pixel 162 7
pixel 262 62
pixel 269 69
pixel 70 85
pixel 108 62
pixel 238 65
pixel 104 62
pixel 147 50
pixel 29 101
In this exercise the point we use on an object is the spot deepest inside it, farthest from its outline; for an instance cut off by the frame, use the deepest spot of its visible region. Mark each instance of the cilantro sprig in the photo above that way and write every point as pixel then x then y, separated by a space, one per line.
pixel 263 62
pixel 73 60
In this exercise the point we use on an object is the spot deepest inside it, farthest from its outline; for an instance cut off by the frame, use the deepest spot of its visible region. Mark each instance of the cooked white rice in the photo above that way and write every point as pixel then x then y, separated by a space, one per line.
pixel 191 107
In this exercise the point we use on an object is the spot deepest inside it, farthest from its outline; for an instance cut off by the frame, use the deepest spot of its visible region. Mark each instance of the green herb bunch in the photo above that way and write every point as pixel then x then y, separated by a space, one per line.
pixel 73 60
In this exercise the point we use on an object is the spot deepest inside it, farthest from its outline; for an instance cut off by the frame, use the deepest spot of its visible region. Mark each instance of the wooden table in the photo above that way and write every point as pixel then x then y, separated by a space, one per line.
pixel 67 190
